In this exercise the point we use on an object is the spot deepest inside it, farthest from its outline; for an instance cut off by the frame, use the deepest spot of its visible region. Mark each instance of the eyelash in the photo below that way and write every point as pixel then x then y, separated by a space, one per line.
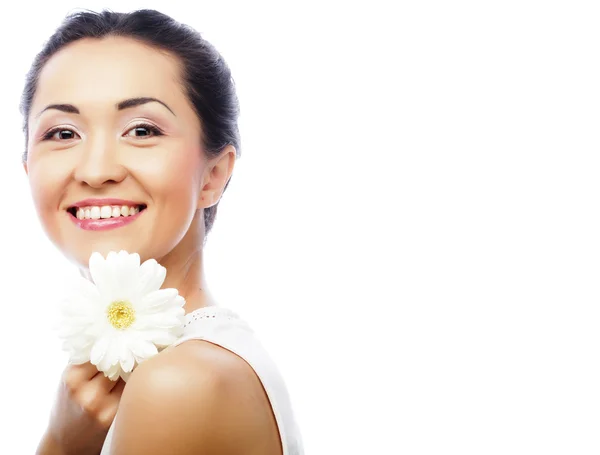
pixel 155 131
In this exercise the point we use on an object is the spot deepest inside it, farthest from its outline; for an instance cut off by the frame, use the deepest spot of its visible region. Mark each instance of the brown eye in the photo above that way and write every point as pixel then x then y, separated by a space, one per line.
pixel 59 134
pixel 144 130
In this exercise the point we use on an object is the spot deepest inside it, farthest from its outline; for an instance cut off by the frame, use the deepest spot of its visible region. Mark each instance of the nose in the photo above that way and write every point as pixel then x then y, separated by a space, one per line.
pixel 99 164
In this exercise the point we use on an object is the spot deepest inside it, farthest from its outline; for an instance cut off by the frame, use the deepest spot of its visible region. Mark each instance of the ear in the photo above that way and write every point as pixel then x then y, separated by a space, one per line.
pixel 25 167
pixel 217 174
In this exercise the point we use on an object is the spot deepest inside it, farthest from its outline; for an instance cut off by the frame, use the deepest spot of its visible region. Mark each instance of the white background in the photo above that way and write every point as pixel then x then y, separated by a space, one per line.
pixel 412 229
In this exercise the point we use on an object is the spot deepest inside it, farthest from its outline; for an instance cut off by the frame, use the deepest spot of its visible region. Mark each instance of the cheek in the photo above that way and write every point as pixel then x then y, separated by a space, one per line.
pixel 46 183
pixel 174 182
pixel 174 189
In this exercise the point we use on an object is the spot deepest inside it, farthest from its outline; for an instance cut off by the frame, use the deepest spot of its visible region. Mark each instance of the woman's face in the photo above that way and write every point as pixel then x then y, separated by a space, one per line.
pixel 108 168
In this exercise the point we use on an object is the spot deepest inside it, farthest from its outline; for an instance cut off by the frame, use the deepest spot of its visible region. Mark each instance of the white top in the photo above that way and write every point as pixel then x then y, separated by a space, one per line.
pixel 225 328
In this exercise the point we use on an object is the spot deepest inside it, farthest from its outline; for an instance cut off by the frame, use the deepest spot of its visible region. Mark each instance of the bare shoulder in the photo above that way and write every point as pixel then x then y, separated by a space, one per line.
pixel 195 398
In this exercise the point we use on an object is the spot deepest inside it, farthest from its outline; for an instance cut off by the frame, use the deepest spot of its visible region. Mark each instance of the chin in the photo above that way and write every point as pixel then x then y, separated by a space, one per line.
pixel 81 255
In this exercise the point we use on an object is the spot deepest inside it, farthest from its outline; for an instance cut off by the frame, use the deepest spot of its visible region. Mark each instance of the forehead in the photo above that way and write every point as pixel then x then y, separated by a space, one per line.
pixel 99 72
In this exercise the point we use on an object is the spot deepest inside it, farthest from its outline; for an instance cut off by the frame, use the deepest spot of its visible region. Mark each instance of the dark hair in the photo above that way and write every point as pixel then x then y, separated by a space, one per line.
pixel 206 76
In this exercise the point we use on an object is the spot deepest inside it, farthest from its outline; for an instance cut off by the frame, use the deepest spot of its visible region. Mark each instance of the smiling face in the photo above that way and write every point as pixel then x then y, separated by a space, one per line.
pixel 106 150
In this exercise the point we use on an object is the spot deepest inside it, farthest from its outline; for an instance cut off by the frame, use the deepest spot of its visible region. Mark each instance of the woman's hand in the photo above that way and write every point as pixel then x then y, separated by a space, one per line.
pixel 85 406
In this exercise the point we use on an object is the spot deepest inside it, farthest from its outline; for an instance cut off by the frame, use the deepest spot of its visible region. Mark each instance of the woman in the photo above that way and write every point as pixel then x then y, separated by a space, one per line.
pixel 139 112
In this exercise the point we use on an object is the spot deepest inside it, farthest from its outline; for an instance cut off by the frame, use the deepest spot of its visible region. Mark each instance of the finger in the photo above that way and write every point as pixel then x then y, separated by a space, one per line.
pixel 117 391
pixel 102 383
pixel 114 397
pixel 78 374
pixel 93 394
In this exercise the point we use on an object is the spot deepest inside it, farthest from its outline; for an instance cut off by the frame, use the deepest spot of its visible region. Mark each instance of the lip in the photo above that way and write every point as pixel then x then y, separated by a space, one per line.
pixel 106 201
pixel 103 224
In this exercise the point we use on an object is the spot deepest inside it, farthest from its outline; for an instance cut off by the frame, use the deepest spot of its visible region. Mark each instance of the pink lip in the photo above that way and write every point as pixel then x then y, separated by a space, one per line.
pixel 103 224
pixel 101 202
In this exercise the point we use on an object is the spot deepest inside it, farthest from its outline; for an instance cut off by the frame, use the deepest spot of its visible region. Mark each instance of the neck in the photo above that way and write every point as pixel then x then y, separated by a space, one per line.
pixel 186 274
pixel 185 271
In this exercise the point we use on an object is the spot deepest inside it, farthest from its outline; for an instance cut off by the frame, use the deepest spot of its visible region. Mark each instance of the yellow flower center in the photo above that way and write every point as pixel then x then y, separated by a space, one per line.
pixel 120 314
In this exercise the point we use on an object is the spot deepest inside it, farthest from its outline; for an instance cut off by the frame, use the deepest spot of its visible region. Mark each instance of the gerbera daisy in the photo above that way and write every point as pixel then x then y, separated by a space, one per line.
pixel 123 317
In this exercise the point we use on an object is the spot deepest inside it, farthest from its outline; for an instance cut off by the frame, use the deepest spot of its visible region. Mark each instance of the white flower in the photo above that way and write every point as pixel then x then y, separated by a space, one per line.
pixel 122 319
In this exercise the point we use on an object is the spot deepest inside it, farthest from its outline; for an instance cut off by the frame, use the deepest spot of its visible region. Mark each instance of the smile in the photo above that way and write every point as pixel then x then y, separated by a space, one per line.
pixel 97 218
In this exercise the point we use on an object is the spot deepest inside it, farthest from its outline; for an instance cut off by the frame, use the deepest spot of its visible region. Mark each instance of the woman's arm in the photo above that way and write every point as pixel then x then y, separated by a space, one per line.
pixel 197 398
pixel 48 446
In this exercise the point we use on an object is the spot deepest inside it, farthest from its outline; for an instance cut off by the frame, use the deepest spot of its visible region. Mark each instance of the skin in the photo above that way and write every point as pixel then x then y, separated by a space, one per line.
pixel 205 398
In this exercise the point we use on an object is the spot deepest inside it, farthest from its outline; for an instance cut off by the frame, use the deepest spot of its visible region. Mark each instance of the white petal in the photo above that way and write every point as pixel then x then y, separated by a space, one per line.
pixel 84 300
pixel 78 342
pixel 72 318
pixel 160 337
pixel 99 350
pixel 113 372
pixel 110 359
pixel 111 258
pixel 99 327
pixel 101 275
pixel 159 321
pixel 125 271
pixel 179 301
pixel 173 303
pixel 142 350
pixel 133 265
pixel 132 259
pixel 151 277
pixel 156 301
pixel 177 312
pixel 86 290
pixel 104 365
pixel 79 358
pixel 127 360
pixel 83 316
pixel 70 308
pixel 71 330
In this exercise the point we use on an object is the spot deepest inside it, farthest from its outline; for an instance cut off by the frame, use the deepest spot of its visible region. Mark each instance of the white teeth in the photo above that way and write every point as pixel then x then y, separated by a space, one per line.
pixel 106 211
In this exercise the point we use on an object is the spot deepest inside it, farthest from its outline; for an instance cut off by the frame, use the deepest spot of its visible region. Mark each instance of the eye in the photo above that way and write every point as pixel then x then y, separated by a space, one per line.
pixel 60 131
pixel 145 130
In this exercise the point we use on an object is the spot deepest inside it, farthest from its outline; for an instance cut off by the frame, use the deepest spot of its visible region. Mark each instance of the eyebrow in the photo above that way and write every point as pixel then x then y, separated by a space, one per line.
pixel 125 104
